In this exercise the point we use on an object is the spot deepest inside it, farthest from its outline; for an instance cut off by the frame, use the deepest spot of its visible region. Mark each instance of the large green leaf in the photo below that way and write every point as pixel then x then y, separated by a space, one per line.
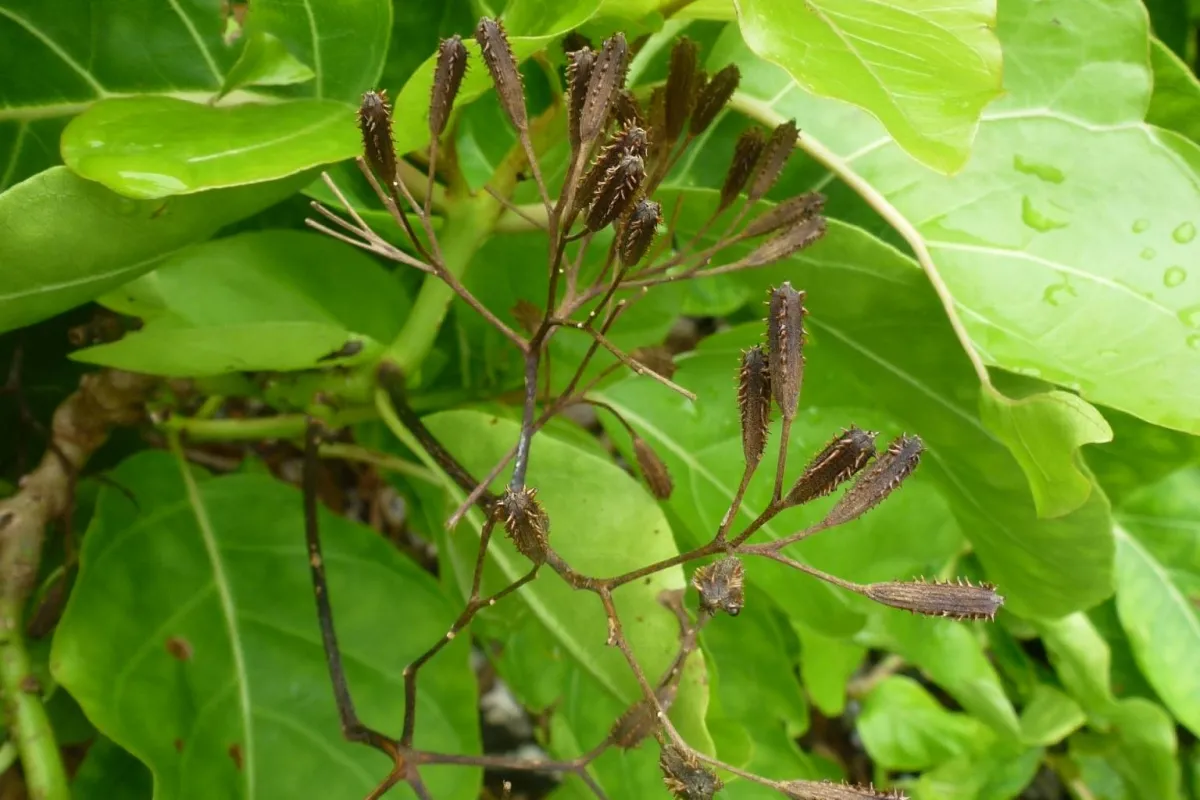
pixel 191 640
pixel 904 728
pixel 924 68
pixel 1141 750
pixel 1176 99
pixel 1049 717
pixel 1082 660
pixel 64 240
pixel 1066 242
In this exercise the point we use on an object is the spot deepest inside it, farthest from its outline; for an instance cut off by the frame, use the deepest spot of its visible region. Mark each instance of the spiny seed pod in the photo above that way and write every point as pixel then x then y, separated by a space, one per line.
pixel 579 72
pixel 375 123
pixel 841 459
pixel 633 727
pixel 627 111
pixel 745 155
pixel 684 776
pixel 754 401
pixel 785 337
pixel 637 232
pixel 447 77
pixel 773 159
pixel 681 86
pixel 796 238
pixel 575 41
pixel 606 79
pixel 721 586
pixel 795 209
pixel 525 522
pixel 712 97
pixel 879 480
pixel 657 358
pixel 617 188
pixel 828 790
pixel 502 64
pixel 658 477
pixel 631 141
pixel 958 599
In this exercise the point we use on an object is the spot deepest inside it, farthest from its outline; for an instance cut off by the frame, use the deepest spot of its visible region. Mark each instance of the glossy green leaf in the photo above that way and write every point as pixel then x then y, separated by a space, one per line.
pixel 191 640
pixel 986 773
pixel 1139 455
pixel 1044 433
pixel 64 240
pixel 904 728
pixel 1163 628
pixel 110 773
pixel 147 147
pixel 1165 519
pixel 924 68
pixel 1142 748
pixel 1081 659
pixel 1068 239
pixel 597 536
pixel 776 756
pixel 1050 717
pixel 826 666
pixel 1176 99
pixel 265 61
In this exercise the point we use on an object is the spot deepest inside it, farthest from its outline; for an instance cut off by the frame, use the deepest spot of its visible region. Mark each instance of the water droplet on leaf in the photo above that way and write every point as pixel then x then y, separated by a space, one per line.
pixel 1148 253
pixel 1184 233
pixel 1043 171
pixel 1190 316
pixel 1174 276
pixel 1058 293
pixel 1141 225
pixel 1193 341
pixel 1038 220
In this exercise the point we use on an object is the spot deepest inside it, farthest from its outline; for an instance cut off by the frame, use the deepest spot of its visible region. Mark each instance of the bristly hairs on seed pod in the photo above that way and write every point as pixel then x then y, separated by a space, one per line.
pixel 879 480
pixel 627 142
pixel 638 231
pixel 658 477
pixel 828 790
pixel 375 124
pixel 606 79
pixel 506 75
pixel 525 522
pixel 628 111
pixel 958 600
pixel 721 585
pixel 746 153
pixel 754 402
pixel 785 341
pixel 795 209
pixel 772 160
pixel 685 777
pixel 615 192
pixel 447 77
pixel 799 236
pixel 579 73
pixel 839 461
pixel 637 724
pixel 681 86
pixel 712 97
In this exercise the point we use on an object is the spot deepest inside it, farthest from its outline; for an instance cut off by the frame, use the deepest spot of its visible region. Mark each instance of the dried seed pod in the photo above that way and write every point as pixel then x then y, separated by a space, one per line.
pixel 658 477
pixel 375 123
pixel 773 159
pixel 606 79
pixel 526 522
pixel 447 77
pixel 627 111
pixel 575 41
pixel 754 401
pixel 681 86
pixel 633 727
pixel 955 599
pixel 797 237
pixel 617 188
pixel 800 208
pixel 746 153
pixel 721 586
pixel 579 72
pixel 502 64
pixel 631 141
pixel 785 338
pixel 841 459
pixel 879 480
pixel 527 315
pixel 684 776
pixel 712 97
pixel 657 358
pixel 637 232
pixel 828 790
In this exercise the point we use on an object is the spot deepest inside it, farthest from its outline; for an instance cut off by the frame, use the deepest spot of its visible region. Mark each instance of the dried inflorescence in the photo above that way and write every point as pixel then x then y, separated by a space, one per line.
pixel 502 65
pixel 754 401
pixel 448 73
pixel 957 599
pixel 525 522
pixel 839 461
pixel 785 338
pixel 828 790
pixel 658 477
pixel 882 478
pixel 721 586
pixel 685 777
pixel 375 124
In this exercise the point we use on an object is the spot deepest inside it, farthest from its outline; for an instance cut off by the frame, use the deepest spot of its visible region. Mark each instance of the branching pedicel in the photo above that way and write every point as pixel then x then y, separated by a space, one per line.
pixel 620 154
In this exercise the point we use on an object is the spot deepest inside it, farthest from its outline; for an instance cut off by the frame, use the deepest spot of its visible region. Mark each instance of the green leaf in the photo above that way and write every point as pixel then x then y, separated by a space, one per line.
pixel 1066 242
pixel 1163 628
pixel 110 773
pixel 1139 455
pixel 597 536
pixel 826 666
pixel 904 728
pixel 265 61
pixel 1165 519
pixel 191 640
pixel 64 240
pixel 1171 23
pixel 147 147
pixel 1141 749
pixel 986 773
pixel 1050 717
pixel 1044 433
pixel 1081 659
pixel 923 68
pixel 1176 99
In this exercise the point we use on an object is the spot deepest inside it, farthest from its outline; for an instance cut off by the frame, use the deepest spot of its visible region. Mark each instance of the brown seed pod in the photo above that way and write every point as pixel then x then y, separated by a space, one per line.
pixel 525 522
pixel 796 238
pixel 658 477
pixel 681 86
pixel 628 111
pixel 631 141
pixel 684 776
pixel 754 402
pixel 745 156
pixel 841 459
pixel 447 77
pixel 616 190
pixel 375 124
pixel 637 232
pixel 721 585
pixel 657 358
pixel 606 79
pixel 502 64
pixel 773 159
pixel 785 338
pixel 579 72
pixel 633 727
pixel 828 790
pixel 800 208
pixel 712 97
pixel 955 599
pixel 878 480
